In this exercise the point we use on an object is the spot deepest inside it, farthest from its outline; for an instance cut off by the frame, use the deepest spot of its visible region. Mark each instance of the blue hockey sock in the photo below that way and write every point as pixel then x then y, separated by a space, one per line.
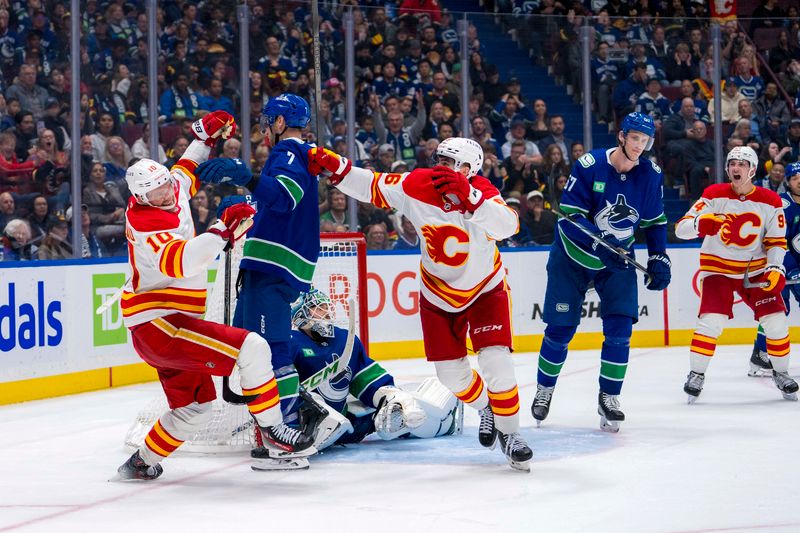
pixel 614 354
pixel 553 353
pixel 761 340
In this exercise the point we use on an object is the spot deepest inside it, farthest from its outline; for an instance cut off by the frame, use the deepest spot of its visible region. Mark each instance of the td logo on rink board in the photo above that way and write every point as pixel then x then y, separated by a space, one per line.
pixel 107 328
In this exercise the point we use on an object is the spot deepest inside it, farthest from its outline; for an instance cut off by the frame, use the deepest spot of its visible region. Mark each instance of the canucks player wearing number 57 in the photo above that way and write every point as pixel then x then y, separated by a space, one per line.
pixel 611 193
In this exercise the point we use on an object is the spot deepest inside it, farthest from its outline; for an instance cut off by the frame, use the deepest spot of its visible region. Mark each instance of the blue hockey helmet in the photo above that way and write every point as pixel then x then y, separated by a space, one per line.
pixel 313 310
pixel 792 169
pixel 292 108
pixel 641 123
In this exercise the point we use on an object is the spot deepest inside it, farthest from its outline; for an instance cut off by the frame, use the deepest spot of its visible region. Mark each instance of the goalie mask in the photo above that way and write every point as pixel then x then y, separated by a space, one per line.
pixel 313 311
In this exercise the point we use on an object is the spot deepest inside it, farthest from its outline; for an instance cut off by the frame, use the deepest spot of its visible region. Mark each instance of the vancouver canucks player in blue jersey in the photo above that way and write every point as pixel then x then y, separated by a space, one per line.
pixel 760 365
pixel 361 398
pixel 281 253
pixel 610 193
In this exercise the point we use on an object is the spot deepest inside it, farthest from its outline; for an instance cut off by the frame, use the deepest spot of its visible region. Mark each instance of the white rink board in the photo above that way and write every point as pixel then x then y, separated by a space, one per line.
pixel 55 329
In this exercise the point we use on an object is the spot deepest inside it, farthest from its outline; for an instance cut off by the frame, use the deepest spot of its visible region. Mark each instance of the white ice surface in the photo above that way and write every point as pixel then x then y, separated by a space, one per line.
pixel 727 463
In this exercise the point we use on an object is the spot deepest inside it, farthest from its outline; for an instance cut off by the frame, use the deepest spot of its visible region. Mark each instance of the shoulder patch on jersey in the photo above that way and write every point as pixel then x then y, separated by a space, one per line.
pixel 485 186
pixel 586 160
pixel 145 218
pixel 785 203
pixel 655 167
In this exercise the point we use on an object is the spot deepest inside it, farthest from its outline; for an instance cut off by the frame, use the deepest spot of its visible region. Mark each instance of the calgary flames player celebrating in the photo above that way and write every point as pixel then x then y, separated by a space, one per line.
pixel 459 216
pixel 165 297
pixel 740 224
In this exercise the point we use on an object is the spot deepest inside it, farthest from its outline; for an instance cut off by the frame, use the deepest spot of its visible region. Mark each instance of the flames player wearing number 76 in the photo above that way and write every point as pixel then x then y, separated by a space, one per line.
pixel 165 298
pixel 740 224
pixel 459 216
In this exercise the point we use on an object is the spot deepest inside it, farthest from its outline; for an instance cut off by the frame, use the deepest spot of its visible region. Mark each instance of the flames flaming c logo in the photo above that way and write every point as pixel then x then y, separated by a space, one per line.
pixel 733 230
pixel 436 238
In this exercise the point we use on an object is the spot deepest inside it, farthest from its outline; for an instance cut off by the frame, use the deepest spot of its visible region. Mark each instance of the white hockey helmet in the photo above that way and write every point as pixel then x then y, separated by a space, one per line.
pixel 743 153
pixel 144 176
pixel 464 152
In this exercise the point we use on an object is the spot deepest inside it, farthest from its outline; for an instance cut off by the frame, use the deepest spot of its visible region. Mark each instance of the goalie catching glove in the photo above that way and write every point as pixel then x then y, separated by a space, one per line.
pixel 233 223
pixel 329 164
pixel 398 413
pixel 456 188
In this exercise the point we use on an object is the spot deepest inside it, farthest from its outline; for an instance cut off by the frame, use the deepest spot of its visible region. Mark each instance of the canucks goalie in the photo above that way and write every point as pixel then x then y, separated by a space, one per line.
pixel 361 397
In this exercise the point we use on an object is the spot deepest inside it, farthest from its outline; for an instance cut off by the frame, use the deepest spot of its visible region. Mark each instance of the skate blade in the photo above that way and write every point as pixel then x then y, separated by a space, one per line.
pixel 691 399
pixel 276 453
pixel 609 426
pixel 521 466
pixel 280 465
pixel 539 423
pixel 791 396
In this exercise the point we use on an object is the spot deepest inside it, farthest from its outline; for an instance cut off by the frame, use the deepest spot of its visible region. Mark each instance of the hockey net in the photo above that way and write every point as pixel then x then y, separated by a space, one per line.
pixel 341 272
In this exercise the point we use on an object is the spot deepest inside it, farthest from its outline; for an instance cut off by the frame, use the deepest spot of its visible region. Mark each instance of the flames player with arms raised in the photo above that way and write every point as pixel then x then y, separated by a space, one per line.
pixel 459 216
pixel 165 298
pixel 740 224
pixel 760 365
pixel 610 193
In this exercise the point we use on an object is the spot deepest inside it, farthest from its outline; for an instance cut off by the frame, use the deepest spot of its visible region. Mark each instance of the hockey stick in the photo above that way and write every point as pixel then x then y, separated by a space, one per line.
pixel 102 308
pixel 622 252
pixel 333 370
pixel 317 69
pixel 747 284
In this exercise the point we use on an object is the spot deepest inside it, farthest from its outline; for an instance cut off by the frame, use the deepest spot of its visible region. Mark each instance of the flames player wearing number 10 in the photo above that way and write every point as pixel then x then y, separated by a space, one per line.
pixel 459 216
pixel 164 300
pixel 741 225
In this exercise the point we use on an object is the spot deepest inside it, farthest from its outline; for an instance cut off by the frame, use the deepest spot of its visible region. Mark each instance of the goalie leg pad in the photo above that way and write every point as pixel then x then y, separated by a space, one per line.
pixel 444 412
pixel 173 429
pixel 496 365
pixel 326 428
pixel 463 381
pixel 776 329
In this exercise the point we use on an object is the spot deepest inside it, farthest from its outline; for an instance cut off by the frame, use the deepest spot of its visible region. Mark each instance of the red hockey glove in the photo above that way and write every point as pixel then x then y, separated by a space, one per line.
pixel 709 224
pixel 329 164
pixel 456 188
pixel 234 223
pixel 213 126
pixel 775 276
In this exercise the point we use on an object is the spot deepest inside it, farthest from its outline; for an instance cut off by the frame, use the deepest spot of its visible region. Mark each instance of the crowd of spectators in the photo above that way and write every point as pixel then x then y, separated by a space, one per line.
pixel 408 94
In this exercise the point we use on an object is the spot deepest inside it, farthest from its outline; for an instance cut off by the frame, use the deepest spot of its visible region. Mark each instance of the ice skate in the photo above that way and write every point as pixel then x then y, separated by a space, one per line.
pixel 694 385
pixel 786 385
pixel 516 450
pixel 136 469
pixel 541 403
pixel 487 433
pixel 760 365
pixel 610 413
pixel 264 463
pixel 284 442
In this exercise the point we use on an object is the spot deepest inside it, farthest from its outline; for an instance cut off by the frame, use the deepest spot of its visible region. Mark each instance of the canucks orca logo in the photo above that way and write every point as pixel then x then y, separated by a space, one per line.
pixel 618 218
pixel 336 391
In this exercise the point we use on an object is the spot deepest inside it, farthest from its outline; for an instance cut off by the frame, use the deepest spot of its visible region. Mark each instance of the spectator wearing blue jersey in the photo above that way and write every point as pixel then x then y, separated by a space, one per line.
pixel 627 92
pixel 605 74
pixel 749 85
pixel 215 100
pixel 653 103
pixel 507 110
pixel 407 238
pixel 179 101
pixel 688 91
pixel 610 194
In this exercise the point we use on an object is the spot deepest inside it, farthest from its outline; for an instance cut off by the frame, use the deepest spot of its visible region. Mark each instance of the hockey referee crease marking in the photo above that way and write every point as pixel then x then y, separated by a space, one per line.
pixel 71 509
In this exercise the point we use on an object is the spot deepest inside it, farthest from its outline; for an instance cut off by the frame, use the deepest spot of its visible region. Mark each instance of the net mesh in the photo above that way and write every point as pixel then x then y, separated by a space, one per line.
pixel 231 429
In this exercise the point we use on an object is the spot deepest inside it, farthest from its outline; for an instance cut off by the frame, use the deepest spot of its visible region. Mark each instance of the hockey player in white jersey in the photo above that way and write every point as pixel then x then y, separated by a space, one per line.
pixel 361 397
pixel 459 216
pixel 165 297
pixel 741 226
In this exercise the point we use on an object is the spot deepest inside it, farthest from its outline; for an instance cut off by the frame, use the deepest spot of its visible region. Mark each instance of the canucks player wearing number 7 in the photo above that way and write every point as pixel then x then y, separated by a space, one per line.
pixel 611 193
pixel 281 251
pixel 360 396
pixel 760 364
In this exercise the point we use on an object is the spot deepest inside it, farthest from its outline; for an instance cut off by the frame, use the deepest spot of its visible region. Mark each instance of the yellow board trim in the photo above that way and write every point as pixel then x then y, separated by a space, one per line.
pixel 119 376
